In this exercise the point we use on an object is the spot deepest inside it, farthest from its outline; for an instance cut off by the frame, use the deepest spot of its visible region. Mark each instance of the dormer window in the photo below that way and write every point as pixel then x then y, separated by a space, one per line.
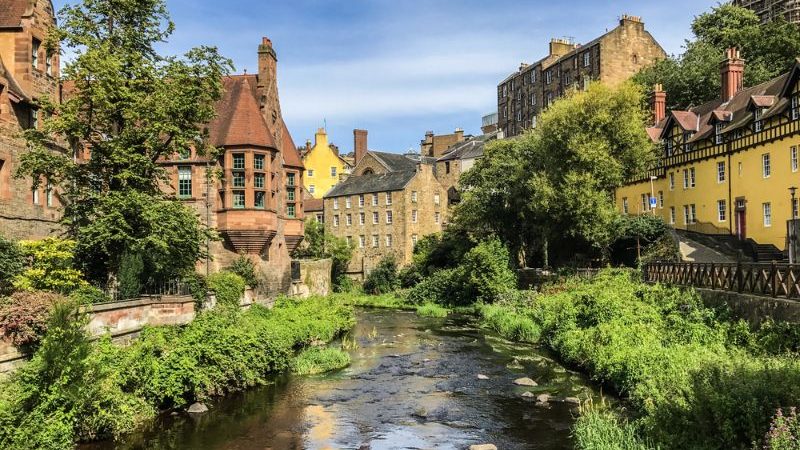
pixel 795 107
pixel 718 137
pixel 758 125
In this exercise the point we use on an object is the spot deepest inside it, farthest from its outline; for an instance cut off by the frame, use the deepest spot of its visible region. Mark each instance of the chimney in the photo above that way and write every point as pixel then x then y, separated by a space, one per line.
pixel 321 138
pixel 732 71
pixel 459 134
pixel 359 144
pixel 559 47
pixel 659 104
pixel 268 83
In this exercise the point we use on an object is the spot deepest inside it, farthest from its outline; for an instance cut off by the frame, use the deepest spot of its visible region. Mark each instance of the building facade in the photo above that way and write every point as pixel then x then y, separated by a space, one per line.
pixel 726 167
pixel 769 10
pixel 256 201
pixel 324 167
pixel 29 72
pixel 611 58
pixel 435 145
pixel 387 204
pixel 458 159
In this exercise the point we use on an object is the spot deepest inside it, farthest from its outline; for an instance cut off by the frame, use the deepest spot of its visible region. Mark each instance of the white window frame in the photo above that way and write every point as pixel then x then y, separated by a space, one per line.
pixel 388 199
pixel 718 138
pixel 336 203
pixel 362 218
pixel 686 178
pixel 692 178
pixel 722 211
pixel 362 241
pixel 766 165
pixel 333 171
pixel 693 213
pixel 375 217
pixel 686 214
pixel 336 220
pixel 413 216
pixel 361 201
pixel 376 241
pixel 624 205
pixel 349 220
pixel 758 125
pixel 766 210
pixel 795 107
pixel 348 203
pixel 311 188
pixel 389 240
pixel 437 217
pixel 436 199
pixel 389 217
pixel 374 199
pixel 587 59
pixel 793 158
pixel 672 215
pixel 671 181
pixel 721 171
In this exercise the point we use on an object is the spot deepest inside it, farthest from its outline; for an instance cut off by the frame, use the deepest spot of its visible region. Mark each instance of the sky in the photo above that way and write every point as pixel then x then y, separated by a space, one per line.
pixel 399 68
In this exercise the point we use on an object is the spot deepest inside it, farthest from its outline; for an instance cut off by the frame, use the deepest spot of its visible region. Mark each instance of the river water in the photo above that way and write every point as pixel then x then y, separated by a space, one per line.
pixel 413 384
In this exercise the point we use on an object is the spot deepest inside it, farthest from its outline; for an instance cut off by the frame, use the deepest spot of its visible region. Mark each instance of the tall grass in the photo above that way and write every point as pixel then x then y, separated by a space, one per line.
pixel 510 323
pixel 432 310
pixel 316 360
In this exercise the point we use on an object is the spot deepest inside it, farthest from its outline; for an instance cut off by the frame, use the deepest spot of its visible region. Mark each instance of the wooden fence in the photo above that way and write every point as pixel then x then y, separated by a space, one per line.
pixel 765 279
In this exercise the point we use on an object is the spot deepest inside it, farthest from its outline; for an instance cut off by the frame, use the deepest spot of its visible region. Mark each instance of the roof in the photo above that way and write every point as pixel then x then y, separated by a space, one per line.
pixel 395 162
pixel 762 101
pixel 291 157
pixel 374 182
pixel 471 148
pixel 12 12
pixel 239 120
pixel 18 94
pixel 312 204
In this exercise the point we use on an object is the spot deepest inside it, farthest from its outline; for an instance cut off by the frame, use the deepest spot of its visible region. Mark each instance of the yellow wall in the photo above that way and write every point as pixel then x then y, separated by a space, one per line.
pixel 318 163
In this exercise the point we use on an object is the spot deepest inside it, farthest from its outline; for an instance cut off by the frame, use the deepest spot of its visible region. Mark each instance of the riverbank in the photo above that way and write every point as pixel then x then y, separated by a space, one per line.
pixel 74 390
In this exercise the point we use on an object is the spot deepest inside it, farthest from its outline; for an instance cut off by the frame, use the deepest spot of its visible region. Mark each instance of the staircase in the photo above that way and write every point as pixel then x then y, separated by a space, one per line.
pixel 734 249
pixel 767 253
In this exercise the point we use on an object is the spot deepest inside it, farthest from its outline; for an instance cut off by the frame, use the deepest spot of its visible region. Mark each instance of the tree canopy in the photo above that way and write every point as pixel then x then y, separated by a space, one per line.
pixel 551 190
pixel 128 107
pixel 691 78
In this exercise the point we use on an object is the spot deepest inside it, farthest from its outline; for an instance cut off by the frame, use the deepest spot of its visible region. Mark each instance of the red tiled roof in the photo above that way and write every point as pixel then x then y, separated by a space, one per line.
pixel 12 11
pixel 239 120
pixel 654 133
pixel 312 204
pixel 686 119
pixel 291 157
pixel 762 101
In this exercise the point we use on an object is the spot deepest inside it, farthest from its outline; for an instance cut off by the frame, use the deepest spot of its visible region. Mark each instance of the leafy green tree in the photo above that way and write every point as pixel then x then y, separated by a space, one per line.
pixel 690 78
pixel 49 267
pixel 129 108
pixel 11 264
pixel 551 191
pixel 244 267
pixel 318 244
pixel 130 275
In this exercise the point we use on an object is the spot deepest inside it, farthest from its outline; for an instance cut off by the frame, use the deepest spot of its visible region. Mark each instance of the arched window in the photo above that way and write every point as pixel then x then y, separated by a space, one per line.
pixel 368 171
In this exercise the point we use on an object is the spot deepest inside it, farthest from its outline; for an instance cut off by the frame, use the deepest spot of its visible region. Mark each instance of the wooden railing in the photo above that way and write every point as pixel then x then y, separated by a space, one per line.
pixel 766 279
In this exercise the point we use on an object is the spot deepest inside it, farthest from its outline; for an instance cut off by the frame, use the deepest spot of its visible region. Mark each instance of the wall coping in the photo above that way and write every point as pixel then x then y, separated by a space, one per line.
pixel 102 307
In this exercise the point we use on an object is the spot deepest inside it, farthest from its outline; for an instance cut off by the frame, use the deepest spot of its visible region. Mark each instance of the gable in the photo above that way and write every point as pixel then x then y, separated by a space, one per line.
pixel 370 163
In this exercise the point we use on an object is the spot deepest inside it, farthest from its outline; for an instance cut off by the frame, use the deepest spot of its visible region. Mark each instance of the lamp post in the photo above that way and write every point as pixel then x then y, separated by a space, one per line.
pixel 652 192
pixel 792 228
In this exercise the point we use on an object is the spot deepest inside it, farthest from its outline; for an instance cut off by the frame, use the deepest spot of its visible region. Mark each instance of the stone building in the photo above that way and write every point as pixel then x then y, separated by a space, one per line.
pixel 769 10
pixel 611 58
pixel 257 204
pixel 434 145
pixel 29 72
pixel 385 206
pixel 458 159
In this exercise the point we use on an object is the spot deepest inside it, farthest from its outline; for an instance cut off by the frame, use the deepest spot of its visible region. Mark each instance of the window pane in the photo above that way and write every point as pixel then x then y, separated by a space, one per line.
pixel 238 179
pixel 258 180
pixel 238 199
pixel 238 161
pixel 290 210
pixel 184 181
pixel 260 195
pixel 258 162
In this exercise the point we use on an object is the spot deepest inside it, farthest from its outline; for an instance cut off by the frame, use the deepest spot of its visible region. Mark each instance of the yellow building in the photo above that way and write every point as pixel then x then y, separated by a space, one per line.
pixel 324 166
pixel 726 167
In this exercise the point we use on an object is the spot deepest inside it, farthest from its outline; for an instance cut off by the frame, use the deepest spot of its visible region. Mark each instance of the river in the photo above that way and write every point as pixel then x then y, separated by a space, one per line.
pixel 413 384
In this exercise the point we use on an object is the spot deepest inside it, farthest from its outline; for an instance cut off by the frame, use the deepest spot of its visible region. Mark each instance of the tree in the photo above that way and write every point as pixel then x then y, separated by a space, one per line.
pixel 49 267
pixel 129 108
pixel 11 264
pixel 689 79
pixel 553 187
pixel 319 245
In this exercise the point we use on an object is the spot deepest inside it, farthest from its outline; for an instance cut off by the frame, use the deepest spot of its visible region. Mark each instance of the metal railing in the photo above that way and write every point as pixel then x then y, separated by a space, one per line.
pixel 764 279
pixel 161 289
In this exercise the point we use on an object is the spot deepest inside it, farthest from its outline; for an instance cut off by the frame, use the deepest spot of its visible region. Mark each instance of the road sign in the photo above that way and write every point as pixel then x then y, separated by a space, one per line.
pixel 652 202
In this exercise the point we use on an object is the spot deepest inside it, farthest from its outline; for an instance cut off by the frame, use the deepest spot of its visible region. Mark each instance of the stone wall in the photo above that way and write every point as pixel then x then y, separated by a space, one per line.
pixel 315 278
pixel 123 319
pixel 754 309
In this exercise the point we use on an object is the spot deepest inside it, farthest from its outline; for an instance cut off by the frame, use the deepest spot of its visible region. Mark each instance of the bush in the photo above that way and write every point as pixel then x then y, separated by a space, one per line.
pixel 24 317
pixel 316 360
pixel 510 323
pixel 12 264
pixel 784 431
pixel 49 267
pixel 383 278
pixel 228 288
pixel 129 276
pixel 89 295
pixel 198 286
pixel 244 267
pixel 443 287
pixel 431 310
pixel 487 273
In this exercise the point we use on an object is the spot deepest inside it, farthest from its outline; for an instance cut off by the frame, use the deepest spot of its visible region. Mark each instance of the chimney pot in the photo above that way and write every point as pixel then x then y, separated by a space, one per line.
pixel 659 104
pixel 732 72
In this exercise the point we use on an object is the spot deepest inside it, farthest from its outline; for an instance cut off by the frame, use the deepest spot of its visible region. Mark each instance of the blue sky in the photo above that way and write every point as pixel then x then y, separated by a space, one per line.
pixel 400 67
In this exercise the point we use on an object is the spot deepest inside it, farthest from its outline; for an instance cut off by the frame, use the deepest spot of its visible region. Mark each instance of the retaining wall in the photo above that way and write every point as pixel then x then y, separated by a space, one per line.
pixel 752 308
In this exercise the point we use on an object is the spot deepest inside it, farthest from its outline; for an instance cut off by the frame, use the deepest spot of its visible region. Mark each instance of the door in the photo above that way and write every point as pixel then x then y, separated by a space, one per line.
pixel 741 216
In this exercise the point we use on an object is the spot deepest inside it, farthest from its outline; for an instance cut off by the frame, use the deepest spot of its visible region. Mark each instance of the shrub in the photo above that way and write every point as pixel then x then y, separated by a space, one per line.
pixel 431 310
pixel 316 360
pixel 784 431
pixel 11 264
pixel 602 430
pixel 244 267
pixel 49 267
pixel 383 278
pixel 228 288
pixel 24 316
pixel 510 323
pixel 89 295
pixel 129 276
pixel 198 286
pixel 443 287
pixel 487 273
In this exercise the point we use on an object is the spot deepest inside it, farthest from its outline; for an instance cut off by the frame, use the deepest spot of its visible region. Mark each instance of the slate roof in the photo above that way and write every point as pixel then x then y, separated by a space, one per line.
pixel 394 161
pixel 375 182
pixel 471 148
pixel 11 13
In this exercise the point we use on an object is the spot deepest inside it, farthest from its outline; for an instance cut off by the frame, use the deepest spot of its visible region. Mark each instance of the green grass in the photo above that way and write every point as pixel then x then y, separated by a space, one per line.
pixel 510 323
pixel 316 360
pixel 388 301
pixel 602 430
pixel 432 310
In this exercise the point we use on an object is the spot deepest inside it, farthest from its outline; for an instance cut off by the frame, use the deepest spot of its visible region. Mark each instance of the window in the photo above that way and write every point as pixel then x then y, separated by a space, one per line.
pixel 447 167
pixel 258 162
pixel 48 194
pixel 548 77
pixel 388 199
pixel 320 217
pixel 718 133
pixel 258 181
pixel 290 194
pixel 692 213
pixel 437 217
pixel 349 220
pixel 533 121
pixel 362 241
pixel 310 173
pixel 238 160
pixel 34 118
pixel 795 108
pixel 767 208
pixel 375 241
pixel 671 181
pixel 336 220
pixel 184 181
pixel 436 198
pixel 414 239
pixel 238 199
pixel 48 63
pixel 793 158
pixel 36 196
pixel 333 171
pixel 336 203
pixel 361 200
pixel 661 199
pixel 722 211
pixel 686 215
pixel 347 202
pixel 362 218
pixel 587 59
pixel 672 215
pixel 533 99
pixel 624 205
pixel 691 177
pixel 766 168
pixel 795 212
pixel 668 145
pixel 644 202
pixel 685 179
pixel 349 241
pixel 312 189
pixel 388 217
pixel 374 199
pixel 260 200
pixel 388 240
pixel 375 217
pixel 757 124
pixel 720 171
pixel 549 99
pixel 291 211
pixel 587 80
pixel 414 196
pixel 533 76
pixel 519 116
pixel 290 178
pixel 35 53
pixel 414 216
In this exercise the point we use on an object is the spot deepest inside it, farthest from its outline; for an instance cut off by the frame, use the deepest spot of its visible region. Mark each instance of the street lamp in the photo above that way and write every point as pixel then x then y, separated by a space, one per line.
pixel 793 228
pixel 652 193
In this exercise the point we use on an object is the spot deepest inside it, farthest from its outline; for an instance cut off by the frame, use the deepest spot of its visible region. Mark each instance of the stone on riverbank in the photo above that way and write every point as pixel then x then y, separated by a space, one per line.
pixel 483 447
pixel 525 382
pixel 527 394
pixel 482 377
pixel 542 398
pixel 573 400
pixel 197 408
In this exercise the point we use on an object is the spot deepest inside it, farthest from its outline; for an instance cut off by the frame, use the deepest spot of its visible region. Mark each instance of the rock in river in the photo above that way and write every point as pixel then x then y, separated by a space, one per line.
pixel 525 382
pixel 482 377
pixel 542 398
pixel 527 394
pixel 483 447
pixel 197 408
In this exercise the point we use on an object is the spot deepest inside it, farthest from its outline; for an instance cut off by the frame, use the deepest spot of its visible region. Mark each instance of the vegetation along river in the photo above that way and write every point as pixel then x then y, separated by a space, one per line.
pixel 413 383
